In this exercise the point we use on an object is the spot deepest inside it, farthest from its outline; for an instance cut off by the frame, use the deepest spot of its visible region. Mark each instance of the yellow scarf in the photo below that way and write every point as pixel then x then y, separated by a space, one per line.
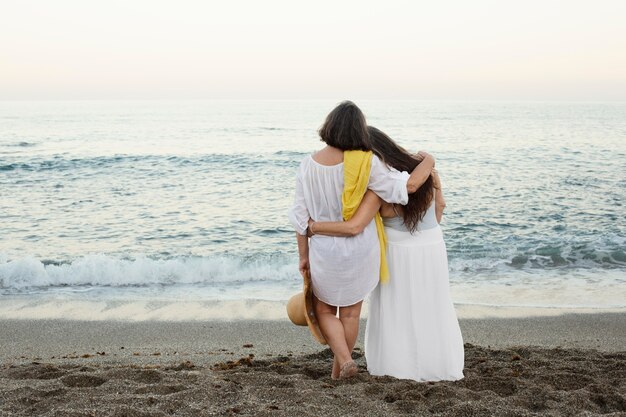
pixel 356 175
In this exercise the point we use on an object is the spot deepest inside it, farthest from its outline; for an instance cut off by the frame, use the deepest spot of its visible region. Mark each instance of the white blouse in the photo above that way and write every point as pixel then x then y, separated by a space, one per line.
pixel 344 270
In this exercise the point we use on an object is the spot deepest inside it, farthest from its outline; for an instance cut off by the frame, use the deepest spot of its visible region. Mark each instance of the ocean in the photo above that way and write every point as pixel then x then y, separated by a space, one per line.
pixel 177 210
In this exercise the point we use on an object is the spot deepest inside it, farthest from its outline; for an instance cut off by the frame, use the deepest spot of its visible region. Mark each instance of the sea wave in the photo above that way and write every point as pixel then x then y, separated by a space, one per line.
pixel 32 274
pixel 108 271
pixel 477 249
pixel 611 256
pixel 64 163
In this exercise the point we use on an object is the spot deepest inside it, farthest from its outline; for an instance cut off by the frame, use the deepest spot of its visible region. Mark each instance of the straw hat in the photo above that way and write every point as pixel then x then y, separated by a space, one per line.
pixel 301 313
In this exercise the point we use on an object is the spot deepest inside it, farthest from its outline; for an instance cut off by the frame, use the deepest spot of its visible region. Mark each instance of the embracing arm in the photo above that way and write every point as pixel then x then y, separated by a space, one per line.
pixel 421 172
pixel 394 186
pixel 365 213
pixel 440 202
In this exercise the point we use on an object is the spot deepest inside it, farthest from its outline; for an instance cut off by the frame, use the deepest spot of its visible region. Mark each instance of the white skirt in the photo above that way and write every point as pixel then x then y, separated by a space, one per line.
pixel 412 331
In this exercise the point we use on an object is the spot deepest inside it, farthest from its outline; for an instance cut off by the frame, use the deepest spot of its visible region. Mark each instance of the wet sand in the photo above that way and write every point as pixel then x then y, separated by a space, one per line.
pixel 562 365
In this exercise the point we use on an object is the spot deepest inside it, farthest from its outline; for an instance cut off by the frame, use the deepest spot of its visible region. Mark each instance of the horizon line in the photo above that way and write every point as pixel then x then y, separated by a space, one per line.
pixel 424 99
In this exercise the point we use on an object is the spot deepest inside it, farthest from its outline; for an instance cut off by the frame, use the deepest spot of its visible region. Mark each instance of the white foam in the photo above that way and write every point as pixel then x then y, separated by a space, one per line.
pixel 100 287
pixel 103 270
pixel 67 308
pixel 140 310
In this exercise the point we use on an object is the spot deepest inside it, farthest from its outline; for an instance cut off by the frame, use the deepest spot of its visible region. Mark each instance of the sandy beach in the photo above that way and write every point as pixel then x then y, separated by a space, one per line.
pixel 573 364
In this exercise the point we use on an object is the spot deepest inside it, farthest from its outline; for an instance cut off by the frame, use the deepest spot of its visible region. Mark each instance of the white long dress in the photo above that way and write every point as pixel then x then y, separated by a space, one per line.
pixel 412 331
pixel 344 270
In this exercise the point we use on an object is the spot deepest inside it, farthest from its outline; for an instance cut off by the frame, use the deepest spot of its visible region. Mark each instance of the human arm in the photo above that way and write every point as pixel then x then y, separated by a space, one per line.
pixel 303 252
pixel 440 202
pixel 365 213
pixel 394 186
pixel 298 212
pixel 298 217
pixel 422 171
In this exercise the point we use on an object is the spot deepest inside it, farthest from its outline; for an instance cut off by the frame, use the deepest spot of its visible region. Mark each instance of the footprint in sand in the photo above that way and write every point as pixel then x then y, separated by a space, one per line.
pixel 36 371
pixel 52 393
pixel 83 380
pixel 160 389
pixel 145 376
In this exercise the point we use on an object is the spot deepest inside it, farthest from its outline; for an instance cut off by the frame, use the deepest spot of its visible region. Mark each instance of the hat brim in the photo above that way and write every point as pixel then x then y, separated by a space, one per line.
pixel 311 319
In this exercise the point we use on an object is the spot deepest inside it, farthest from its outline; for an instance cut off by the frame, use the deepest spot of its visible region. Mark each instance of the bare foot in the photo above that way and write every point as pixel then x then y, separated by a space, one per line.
pixel 348 370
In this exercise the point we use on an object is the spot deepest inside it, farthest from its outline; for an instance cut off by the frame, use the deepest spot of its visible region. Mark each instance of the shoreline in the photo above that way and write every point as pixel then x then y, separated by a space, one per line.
pixel 560 365
pixel 101 308
pixel 45 339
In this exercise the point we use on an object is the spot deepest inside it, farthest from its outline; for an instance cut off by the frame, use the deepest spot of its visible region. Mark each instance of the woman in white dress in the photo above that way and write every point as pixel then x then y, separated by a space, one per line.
pixel 343 270
pixel 412 331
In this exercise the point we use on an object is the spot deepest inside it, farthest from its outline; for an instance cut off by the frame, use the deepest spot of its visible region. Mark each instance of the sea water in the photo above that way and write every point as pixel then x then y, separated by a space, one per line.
pixel 178 209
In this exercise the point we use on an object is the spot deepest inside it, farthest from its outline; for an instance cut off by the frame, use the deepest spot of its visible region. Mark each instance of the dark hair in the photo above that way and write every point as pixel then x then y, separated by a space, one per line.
pixel 396 156
pixel 345 128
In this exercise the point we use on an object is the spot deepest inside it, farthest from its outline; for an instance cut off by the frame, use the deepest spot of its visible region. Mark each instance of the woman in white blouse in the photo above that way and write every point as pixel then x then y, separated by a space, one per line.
pixel 344 270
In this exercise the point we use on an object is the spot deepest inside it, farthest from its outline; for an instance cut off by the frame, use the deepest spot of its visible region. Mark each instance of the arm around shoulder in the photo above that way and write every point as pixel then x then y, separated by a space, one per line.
pixel 421 173
pixel 365 213
pixel 388 183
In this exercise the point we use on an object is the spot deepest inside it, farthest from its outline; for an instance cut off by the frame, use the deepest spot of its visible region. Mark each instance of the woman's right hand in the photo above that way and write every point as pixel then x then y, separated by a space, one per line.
pixel 423 155
pixel 305 267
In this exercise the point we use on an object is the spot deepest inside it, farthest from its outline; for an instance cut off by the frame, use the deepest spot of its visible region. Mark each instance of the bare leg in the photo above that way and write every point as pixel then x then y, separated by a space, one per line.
pixel 333 331
pixel 349 317
pixel 336 369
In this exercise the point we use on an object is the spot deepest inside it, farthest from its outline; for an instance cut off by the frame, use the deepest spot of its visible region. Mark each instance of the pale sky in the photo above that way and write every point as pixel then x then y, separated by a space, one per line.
pixel 478 49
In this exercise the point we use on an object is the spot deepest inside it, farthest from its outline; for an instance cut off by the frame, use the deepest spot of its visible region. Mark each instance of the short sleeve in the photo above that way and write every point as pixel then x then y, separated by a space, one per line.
pixel 298 213
pixel 388 183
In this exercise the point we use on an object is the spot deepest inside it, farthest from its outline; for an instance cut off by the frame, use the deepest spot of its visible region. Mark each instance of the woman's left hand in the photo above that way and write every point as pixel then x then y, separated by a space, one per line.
pixel 436 179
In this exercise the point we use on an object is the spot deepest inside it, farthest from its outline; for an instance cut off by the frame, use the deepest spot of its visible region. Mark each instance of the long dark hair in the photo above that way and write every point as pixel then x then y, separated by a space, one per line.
pixel 345 128
pixel 396 156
